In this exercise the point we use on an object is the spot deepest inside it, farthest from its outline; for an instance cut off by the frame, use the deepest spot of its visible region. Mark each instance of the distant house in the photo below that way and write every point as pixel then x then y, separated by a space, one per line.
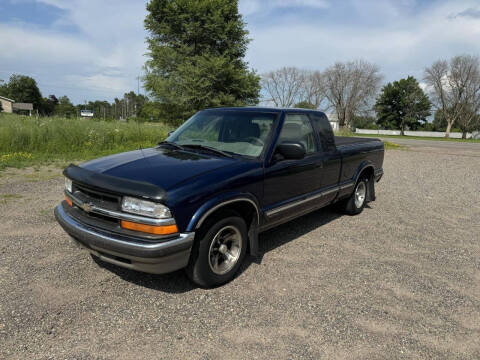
pixel 10 106
pixel 7 104
pixel 333 118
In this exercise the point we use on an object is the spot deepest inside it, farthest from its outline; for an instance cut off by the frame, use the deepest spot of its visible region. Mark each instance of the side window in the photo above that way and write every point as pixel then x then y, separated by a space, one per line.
pixel 297 127
pixel 325 132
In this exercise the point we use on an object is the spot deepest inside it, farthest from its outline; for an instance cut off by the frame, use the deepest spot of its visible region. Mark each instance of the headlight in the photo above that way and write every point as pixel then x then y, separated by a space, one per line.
pixel 147 208
pixel 68 185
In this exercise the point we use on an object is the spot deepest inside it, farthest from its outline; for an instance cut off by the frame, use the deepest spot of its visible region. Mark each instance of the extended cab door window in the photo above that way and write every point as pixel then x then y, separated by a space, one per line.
pixel 297 127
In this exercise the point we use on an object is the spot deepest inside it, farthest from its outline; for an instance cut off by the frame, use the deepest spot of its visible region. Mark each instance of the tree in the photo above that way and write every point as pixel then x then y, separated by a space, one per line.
pixel 469 121
pixel 350 87
pixel 64 107
pixel 402 104
pixel 3 88
pixel 314 88
pixel 290 85
pixel 305 105
pixel 196 50
pixel 23 88
pixel 152 111
pixel 365 122
pixel 48 105
pixel 284 87
pixel 439 121
pixel 455 89
pixel 130 105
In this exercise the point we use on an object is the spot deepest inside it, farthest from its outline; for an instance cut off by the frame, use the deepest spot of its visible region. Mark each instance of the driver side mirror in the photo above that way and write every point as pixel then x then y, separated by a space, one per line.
pixel 291 150
pixel 171 132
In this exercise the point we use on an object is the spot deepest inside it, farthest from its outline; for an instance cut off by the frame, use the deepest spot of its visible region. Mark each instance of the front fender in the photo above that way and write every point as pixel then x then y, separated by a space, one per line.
pixel 223 199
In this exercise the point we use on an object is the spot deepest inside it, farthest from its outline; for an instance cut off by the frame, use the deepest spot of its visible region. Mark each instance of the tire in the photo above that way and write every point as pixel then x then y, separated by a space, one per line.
pixel 218 252
pixel 355 204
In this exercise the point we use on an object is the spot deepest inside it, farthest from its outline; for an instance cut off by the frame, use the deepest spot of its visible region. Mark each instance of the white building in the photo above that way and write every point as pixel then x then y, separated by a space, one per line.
pixel 332 117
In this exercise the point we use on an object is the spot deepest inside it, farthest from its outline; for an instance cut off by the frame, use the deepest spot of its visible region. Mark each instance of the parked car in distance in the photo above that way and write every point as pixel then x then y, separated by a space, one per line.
pixel 200 198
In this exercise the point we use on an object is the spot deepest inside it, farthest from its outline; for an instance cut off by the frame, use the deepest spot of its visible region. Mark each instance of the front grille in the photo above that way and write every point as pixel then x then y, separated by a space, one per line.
pixel 96 220
pixel 100 199
pixel 97 198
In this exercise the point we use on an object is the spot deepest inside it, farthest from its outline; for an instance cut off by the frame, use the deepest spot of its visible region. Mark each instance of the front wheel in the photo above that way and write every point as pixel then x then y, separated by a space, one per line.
pixel 355 204
pixel 219 252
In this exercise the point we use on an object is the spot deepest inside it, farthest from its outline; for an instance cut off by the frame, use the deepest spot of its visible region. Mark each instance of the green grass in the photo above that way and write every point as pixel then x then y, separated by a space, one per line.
pixel 4 198
pixel 392 146
pixel 417 137
pixel 26 141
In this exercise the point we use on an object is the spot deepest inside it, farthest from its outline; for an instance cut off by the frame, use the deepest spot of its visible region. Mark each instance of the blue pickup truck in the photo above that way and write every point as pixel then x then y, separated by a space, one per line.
pixel 200 198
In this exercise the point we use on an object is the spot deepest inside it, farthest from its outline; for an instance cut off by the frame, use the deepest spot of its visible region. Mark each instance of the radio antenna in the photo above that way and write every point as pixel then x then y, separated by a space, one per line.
pixel 138 127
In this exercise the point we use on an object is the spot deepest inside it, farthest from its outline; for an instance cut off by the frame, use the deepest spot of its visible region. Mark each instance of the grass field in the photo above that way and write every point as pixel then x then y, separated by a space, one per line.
pixel 417 138
pixel 26 141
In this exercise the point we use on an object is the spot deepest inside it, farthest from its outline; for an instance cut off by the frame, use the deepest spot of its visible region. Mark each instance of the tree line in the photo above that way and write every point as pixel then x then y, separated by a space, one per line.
pixel 22 88
pixel 352 90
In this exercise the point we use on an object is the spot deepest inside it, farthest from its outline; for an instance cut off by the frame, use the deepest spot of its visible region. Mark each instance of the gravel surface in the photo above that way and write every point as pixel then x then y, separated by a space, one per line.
pixel 399 281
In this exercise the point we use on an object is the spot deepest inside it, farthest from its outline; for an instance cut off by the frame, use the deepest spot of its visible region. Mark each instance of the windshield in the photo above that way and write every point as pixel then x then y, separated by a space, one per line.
pixel 237 132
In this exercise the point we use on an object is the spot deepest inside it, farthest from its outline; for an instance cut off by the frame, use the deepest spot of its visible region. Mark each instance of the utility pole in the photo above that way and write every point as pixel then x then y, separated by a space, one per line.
pixel 138 94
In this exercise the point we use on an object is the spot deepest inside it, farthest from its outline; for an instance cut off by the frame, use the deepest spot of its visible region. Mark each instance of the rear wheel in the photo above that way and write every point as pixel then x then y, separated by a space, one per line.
pixel 355 204
pixel 219 252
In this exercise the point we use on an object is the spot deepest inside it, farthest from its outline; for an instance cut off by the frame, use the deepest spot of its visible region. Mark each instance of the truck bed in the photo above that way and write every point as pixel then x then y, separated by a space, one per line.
pixel 349 140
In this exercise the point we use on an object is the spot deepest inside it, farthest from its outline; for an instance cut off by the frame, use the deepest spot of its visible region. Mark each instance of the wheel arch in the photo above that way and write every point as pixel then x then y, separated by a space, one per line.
pixel 367 169
pixel 245 204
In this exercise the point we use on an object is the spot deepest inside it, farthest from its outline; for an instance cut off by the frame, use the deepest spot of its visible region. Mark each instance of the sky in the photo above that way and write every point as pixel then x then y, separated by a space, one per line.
pixel 95 49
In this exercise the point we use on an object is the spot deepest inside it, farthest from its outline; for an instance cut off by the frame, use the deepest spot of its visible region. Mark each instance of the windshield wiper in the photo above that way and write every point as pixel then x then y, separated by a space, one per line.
pixel 208 148
pixel 172 144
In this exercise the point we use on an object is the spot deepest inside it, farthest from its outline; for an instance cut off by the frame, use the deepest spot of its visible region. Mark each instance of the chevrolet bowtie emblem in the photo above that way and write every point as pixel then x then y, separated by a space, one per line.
pixel 87 207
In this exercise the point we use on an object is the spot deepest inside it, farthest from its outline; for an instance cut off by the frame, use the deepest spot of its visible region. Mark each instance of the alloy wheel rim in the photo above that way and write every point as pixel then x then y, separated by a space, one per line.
pixel 225 250
pixel 360 193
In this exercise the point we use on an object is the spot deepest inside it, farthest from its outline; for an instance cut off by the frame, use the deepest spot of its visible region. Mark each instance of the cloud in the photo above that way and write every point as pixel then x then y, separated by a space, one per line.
pixel 469 13
pixel 402 40
pixel 92 50
pixel 248 7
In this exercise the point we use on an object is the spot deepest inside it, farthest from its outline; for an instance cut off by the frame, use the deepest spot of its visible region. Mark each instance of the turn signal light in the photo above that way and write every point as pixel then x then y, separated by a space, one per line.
pixel 69 202
pixel 150 229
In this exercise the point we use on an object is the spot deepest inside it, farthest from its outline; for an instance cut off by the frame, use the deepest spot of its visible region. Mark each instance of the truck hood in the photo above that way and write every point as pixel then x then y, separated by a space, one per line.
pixel 158 166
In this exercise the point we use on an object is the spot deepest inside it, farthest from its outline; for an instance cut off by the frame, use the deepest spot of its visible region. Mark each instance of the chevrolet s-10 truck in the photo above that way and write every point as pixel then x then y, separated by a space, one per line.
pixel 200 198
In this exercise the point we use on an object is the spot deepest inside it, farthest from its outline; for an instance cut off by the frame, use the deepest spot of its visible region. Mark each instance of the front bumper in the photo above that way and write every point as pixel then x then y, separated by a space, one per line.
pixel 136 254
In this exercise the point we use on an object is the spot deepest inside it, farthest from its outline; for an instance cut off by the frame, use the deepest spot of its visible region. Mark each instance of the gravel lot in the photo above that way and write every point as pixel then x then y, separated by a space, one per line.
pixel 399 281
